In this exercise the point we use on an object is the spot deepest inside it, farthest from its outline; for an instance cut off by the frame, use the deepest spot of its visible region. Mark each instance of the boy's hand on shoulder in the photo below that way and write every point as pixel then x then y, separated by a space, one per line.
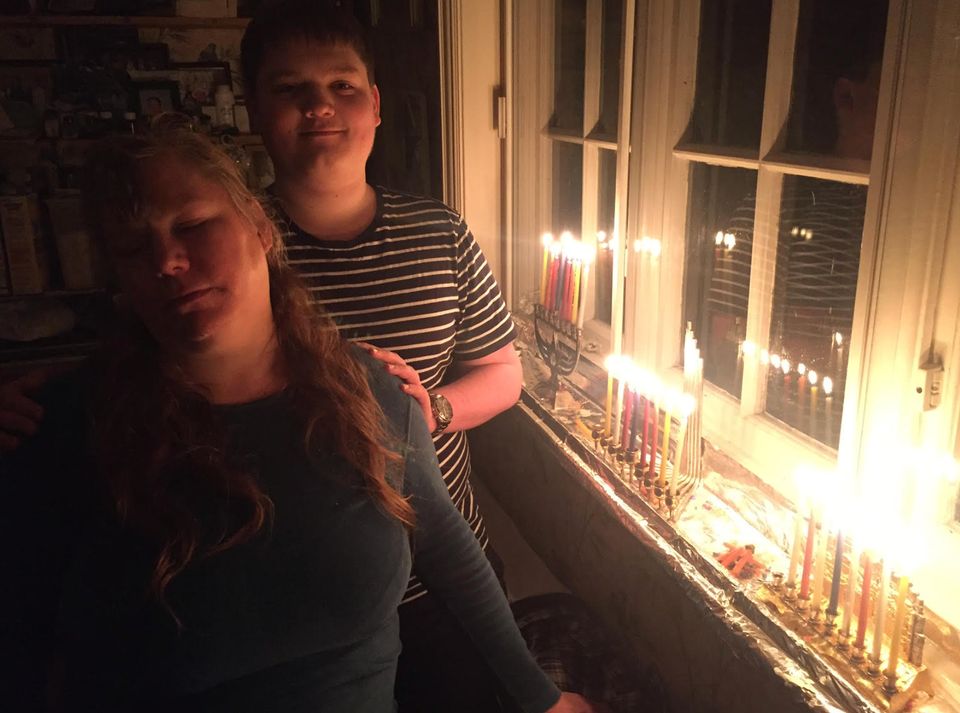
pixel 20 415
pixel 409 379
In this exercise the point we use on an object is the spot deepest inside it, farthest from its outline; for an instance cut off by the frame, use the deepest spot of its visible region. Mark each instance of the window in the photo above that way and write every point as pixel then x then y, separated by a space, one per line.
pixel 577 130
pixel 798 164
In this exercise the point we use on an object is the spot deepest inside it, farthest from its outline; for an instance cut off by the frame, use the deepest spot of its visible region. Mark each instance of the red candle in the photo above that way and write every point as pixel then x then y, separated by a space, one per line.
pixel 655 422
pixel 808 558
pixel 627 414
pixel 864 616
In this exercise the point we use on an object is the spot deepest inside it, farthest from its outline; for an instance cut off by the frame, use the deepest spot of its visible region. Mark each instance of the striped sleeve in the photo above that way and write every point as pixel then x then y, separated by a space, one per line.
pixel 484 324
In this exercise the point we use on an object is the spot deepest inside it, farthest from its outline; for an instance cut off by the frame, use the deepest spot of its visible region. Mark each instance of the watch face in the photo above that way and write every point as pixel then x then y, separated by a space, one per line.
pixel 442 410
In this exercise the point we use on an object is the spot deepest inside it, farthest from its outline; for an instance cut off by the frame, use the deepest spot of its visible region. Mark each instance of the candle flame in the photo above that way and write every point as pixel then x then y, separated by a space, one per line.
pixel 765 356
pixel 827 385
pixel 749 348
pixel 784 366
pixel 775 361
pixel 718 238
pixel 546 239
pixel 801 368
pixel 838 338
pixel 812 377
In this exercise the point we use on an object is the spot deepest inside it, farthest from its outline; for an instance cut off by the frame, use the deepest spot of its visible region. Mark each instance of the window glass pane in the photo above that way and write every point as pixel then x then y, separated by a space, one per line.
pixel 612 47
pixel 569 53
pixel 731 71
pixel 567 187
pixel 837 77
pixel 606 196
pixel 717 270
pixel 818 258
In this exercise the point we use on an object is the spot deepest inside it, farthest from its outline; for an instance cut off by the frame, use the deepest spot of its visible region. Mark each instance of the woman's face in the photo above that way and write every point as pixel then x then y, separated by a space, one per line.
pixel 191 266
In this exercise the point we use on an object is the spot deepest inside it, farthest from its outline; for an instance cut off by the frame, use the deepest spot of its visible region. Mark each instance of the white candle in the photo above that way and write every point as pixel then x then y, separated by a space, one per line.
pixel 621 384
pixel 584 286
pixel 795 550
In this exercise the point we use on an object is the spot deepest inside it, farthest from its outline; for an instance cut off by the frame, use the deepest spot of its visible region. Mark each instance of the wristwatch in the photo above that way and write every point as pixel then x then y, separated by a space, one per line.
pixel 442 412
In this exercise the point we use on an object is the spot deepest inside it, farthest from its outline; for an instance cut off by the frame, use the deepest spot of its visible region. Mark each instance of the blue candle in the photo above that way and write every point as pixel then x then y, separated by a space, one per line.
pixel 835 584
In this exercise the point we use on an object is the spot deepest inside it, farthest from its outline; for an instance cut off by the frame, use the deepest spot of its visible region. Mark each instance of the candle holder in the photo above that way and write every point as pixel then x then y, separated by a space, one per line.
pixel 858 655
pixel 872 668
pixel 560 348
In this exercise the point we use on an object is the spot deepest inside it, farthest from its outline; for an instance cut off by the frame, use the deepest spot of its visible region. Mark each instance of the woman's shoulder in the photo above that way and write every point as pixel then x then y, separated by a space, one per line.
pixel 385 387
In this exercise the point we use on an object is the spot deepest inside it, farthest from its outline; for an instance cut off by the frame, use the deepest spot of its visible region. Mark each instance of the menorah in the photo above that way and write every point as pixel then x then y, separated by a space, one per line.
pixel 559 348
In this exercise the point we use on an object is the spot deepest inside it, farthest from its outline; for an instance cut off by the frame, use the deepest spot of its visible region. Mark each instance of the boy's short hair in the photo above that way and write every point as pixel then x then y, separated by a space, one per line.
pixel 279 21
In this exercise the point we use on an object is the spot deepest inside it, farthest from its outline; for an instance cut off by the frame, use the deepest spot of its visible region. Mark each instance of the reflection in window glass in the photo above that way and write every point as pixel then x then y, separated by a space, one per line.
pixel 567 187
pixel 837 77
pixel 731 71
pixel 612 40
pixel 717 270
pixel 569 59
pixel 606 197
pixel 818 258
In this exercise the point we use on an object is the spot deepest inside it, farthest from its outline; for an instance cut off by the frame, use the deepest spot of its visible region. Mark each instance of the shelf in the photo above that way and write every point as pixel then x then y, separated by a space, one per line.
pixel 238 23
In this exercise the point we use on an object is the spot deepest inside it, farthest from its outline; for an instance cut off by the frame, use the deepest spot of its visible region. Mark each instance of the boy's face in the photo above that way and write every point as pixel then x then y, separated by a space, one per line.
pixel 317 111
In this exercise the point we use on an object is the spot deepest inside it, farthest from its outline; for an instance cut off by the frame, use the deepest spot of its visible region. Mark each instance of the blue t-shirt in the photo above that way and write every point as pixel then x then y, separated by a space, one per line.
pixel 301 618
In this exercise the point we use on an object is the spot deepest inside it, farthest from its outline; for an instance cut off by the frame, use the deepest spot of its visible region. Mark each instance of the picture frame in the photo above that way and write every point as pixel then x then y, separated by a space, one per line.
pixel 154 97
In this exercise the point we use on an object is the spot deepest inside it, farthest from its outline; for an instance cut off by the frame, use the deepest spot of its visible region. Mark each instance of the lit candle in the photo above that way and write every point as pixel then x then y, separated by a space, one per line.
pixel 575 300
pixel 898 625
pixel 566 310
pixel 819 565
pixel 828 408
pixel 667 419
pixel 881 611
pixel 655 423
pixel 643 434
pixel 584 284
pixel 563 274
pixel 552 277
pixel 546 240
pixel 834 604
pixel 681 435
pixel 608 406
pixel 621 384
pixel 627 418
pixel 864 616
pixel 795 550
pixel 851 587
pixel 808 557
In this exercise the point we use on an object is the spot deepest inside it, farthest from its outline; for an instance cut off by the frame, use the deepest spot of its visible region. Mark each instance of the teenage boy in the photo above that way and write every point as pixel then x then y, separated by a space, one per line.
pixel 400 273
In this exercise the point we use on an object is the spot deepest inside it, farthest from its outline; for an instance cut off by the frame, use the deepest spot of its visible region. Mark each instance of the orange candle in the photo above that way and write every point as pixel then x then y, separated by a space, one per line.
pixel 808 557
pixel 864 616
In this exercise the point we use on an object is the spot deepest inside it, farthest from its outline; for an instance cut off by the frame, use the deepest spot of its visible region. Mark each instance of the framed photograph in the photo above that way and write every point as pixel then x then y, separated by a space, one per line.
pixel 151 56
pixel 197 81
pixel 153 98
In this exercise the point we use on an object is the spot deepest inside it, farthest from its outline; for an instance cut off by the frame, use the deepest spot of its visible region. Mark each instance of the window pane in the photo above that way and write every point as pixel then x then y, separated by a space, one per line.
pixel 567 187
pixel 568 58
pixel 837 77
pixel 717 270
pixel 612 47
pixel 731 71
pixel 818 258
pixel 606 196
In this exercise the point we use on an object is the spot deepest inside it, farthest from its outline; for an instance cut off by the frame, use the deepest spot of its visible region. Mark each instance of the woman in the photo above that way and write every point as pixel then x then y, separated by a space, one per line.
pixel 219 512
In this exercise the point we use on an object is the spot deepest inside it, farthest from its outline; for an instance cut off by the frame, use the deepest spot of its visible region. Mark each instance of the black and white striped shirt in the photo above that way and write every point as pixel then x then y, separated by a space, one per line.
pixel 416 283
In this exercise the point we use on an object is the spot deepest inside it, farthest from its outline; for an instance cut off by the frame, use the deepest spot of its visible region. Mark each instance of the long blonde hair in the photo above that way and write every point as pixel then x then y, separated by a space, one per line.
pixel 161 450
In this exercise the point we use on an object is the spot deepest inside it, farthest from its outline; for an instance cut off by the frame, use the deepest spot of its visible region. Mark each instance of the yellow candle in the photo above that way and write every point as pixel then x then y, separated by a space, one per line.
pixel 667 418
pixel 881 610
pixel 576 290
pixel 898 625
pixel 546 240
pixel 585 283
